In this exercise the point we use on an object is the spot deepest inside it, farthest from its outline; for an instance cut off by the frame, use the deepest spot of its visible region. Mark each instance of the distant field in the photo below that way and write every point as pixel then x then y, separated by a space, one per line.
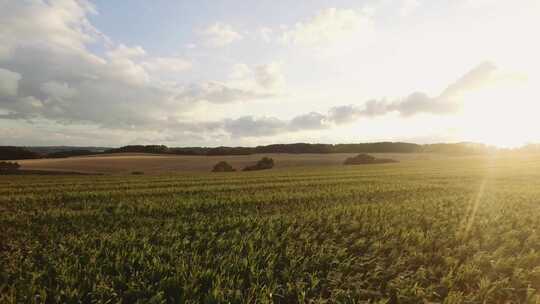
pixel 153 163
pixel 457 230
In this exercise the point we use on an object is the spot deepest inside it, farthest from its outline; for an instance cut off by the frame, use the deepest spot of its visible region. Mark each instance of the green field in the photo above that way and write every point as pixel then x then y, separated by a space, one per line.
pixel 461 230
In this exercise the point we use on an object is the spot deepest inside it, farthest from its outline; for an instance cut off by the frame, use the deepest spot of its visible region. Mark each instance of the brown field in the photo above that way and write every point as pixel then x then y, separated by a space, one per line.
pixel 125 163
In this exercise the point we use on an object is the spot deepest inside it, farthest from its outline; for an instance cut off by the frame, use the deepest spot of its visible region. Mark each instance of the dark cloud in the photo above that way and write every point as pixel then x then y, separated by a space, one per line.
pixel 417 102
pixel 216 92
pixel 309 121
pixel 248 126
pixel 344 114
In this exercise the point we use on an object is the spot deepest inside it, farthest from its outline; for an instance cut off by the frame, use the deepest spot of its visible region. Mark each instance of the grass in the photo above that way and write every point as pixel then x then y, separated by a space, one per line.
pixel 445 231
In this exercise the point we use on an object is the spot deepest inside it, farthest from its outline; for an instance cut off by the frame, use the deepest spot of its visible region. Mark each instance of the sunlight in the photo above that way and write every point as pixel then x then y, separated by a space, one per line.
pixel 472 209
pixel 503 116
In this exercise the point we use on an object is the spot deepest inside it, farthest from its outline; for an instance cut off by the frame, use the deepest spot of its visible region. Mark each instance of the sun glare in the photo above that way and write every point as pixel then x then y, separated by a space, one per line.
pixel 504 116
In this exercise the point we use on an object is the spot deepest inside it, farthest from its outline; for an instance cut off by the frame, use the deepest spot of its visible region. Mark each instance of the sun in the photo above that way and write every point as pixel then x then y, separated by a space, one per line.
pixel 503 116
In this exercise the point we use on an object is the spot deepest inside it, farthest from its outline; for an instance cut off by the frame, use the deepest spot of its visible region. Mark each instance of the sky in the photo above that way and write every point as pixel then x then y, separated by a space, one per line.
pixel 228 72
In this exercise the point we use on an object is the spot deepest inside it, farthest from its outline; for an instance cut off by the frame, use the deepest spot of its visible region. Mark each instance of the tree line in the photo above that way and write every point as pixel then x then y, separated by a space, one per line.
pixel 14 153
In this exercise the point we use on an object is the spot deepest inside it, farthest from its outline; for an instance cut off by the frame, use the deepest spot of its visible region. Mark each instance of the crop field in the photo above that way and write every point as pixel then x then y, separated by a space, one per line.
pixel 122 163
pixel 461 230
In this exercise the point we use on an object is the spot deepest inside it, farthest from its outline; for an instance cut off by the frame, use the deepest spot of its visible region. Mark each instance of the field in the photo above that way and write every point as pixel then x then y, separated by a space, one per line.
pixel 122 163
pixel 458 230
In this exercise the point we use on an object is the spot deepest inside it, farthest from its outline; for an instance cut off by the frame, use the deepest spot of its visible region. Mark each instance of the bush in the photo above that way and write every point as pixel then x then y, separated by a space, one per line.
pixel 137 173
pixel 223 166
pixel 365 159
pixel 263 164
pixel 9 166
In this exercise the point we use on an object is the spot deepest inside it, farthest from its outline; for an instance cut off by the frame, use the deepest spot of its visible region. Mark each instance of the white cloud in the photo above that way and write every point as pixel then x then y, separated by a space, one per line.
pixel 123 51
pixel 240 71
pixel 9 82
pixel 53 76
pixel 128 56
pixel 62 23
pixel 217 92
pixel 408 6
pixel 309 121
pixel 266 78
pixel 329 26
pixel 269 76
pixel 167 64
pixel 265 34
pixel 220 35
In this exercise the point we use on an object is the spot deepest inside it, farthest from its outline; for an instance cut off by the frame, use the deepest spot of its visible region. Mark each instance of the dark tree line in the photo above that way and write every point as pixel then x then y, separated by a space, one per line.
pixel 382 147
pixel 378 147
pixel 14 153
pixel 10 153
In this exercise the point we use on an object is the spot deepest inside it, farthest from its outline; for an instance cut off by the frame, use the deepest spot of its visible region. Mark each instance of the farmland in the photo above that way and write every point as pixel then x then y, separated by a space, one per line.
pixel 457 230
pixel 122 163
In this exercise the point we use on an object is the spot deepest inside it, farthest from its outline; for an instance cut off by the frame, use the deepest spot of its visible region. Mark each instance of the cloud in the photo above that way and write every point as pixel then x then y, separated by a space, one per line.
pixel 248 126
pixel 48 73
pixel 9 82
pixel 220 35
pixel 327 27
pixel 128 56
pixel 309 121
pixel 344 114
pixel 269 76
pixel 62 23
pixel 477 77
pixel 408 6
pixel 447 102
pixel 51 75
pixel 419 102
pixel 123 51
pixel 259 81
pixel 167 64
pixel 216 92
pixel 58 91
pixel 240 71
pixel 64 82
pixel 265 34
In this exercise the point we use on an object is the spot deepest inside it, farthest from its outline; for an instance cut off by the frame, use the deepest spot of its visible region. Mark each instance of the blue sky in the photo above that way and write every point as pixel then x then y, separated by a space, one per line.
pixel 210 73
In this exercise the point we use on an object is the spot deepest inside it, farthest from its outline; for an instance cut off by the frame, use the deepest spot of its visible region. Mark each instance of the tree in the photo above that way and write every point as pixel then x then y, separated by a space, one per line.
pixel 365 159
pixel 263 164
pixel 12 153
pixel 223 166
pixel 9 166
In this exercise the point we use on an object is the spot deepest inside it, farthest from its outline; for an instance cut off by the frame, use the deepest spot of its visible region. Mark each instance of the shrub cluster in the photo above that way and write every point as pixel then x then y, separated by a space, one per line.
pixel 9 166
pixel 263 164
pixel 223 166
pixel 365 159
